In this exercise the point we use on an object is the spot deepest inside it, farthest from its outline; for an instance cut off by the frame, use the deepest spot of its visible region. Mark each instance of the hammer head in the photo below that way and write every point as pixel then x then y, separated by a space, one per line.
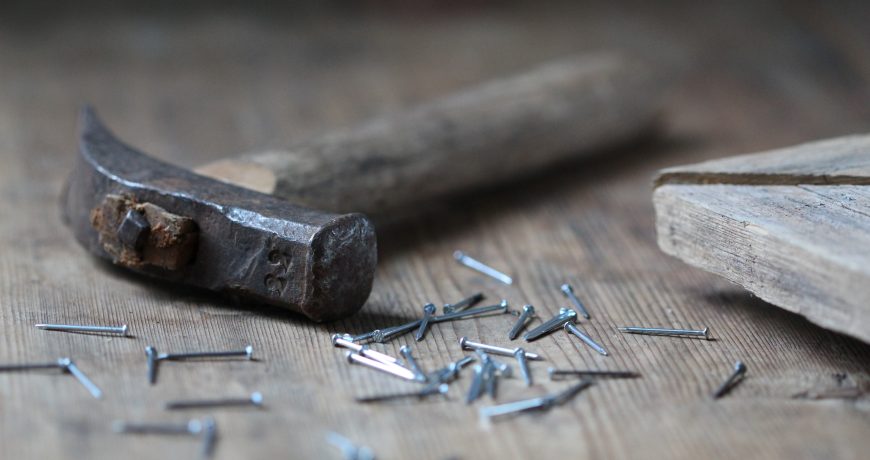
pixel 164 221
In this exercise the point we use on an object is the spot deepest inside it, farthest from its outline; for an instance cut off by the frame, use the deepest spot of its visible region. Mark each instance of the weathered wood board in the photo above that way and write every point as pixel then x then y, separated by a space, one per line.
pixel 791 225
pixel 209 83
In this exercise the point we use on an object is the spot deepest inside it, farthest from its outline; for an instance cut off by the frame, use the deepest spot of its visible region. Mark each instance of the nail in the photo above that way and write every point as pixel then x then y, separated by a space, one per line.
pixel 569 293
pixel 70 367
pixel 256 399
pixel 476 387
pixel 209 437
pixel 739 371
pixel 31 366
pixel 394 370
pixel 428 311
pixel 469 345
pixel 437 388
pixel 473 264
pixel 463 304
pixel 527 313
pixel 357 338
pixel 191 427
pixel 705 333
pixel 556 373
pixel 349 450
pixel 151 364
pixel 520 354
pixel 502 306
pixel 120 330
pixel 419 375
pixel 487 413
pixel 450 372
pixel 572 328
pixel 382 335
pixel 490 380
pixel 247 353
pixel 340 341
pixel 544 402
pixel 565 315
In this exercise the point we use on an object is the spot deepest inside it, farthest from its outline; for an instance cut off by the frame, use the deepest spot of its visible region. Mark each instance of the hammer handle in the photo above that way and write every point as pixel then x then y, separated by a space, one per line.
pixel 477 137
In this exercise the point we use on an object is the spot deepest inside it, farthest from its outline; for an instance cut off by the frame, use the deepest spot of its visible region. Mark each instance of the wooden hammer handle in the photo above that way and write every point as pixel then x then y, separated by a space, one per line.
pixel 474 138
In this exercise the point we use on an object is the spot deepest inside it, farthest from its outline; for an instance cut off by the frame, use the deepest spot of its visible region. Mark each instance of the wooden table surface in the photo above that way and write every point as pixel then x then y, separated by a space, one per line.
pixel 207 84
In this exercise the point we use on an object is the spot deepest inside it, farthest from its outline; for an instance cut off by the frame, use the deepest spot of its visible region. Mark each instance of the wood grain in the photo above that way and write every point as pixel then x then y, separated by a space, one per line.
pixel 791 225
pixel 204 86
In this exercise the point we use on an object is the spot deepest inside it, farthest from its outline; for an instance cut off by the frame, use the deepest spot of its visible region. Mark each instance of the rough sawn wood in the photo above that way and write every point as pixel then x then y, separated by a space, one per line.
pixel 791 225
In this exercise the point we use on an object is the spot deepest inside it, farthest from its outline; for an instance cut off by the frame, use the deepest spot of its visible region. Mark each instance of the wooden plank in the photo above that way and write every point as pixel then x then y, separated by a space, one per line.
pixel 209 85
pixel 805 248
pixel 843 160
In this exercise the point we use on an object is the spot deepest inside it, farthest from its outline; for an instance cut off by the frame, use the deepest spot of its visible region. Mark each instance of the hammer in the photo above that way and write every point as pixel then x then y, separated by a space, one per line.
pixel 287 229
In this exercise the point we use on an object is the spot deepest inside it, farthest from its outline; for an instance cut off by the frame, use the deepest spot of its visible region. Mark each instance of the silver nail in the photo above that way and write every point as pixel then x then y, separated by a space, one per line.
pixel 120 330
pixel 193 427
pixel 520 354
pixel 394 370
pixel 450 372
pixel 490 380
pixel 340 341
pixel 565 315
pixel 419 375
pixel 544 402
pixel 469 345
pixel 473 264
pixel 69 366
pixel 569 293
pixel 435 388
pixel 382 335
pixel 739 371
pixel 476 388
pixel 704 333
pixel 528 311
pixel 255 399
pixel 502 306
pixel 209 437
pixel 247 353
pixel 428 311
pixel 464 303
pixel 516 406
pixel 349 450
pixel 556 374
pixel 31 366
pixel 572 328
pixel 151 364
pixel 358 338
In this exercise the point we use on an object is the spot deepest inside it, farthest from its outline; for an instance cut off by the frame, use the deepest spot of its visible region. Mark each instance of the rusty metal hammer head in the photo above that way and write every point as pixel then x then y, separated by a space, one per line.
pixel 167 222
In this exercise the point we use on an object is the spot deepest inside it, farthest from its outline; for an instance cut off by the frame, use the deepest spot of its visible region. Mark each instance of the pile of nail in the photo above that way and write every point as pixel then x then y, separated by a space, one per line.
pixel 488 369
pixel 205 428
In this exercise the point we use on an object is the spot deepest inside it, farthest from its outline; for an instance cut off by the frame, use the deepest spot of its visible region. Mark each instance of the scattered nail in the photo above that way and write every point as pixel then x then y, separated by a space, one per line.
pixel 120 330
pixel 255 399
pixel 569 293
pixel 528 311
pixel 572 328
pixel 469 345
pixel 731 382
pixel 481 267
pixel 704 333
